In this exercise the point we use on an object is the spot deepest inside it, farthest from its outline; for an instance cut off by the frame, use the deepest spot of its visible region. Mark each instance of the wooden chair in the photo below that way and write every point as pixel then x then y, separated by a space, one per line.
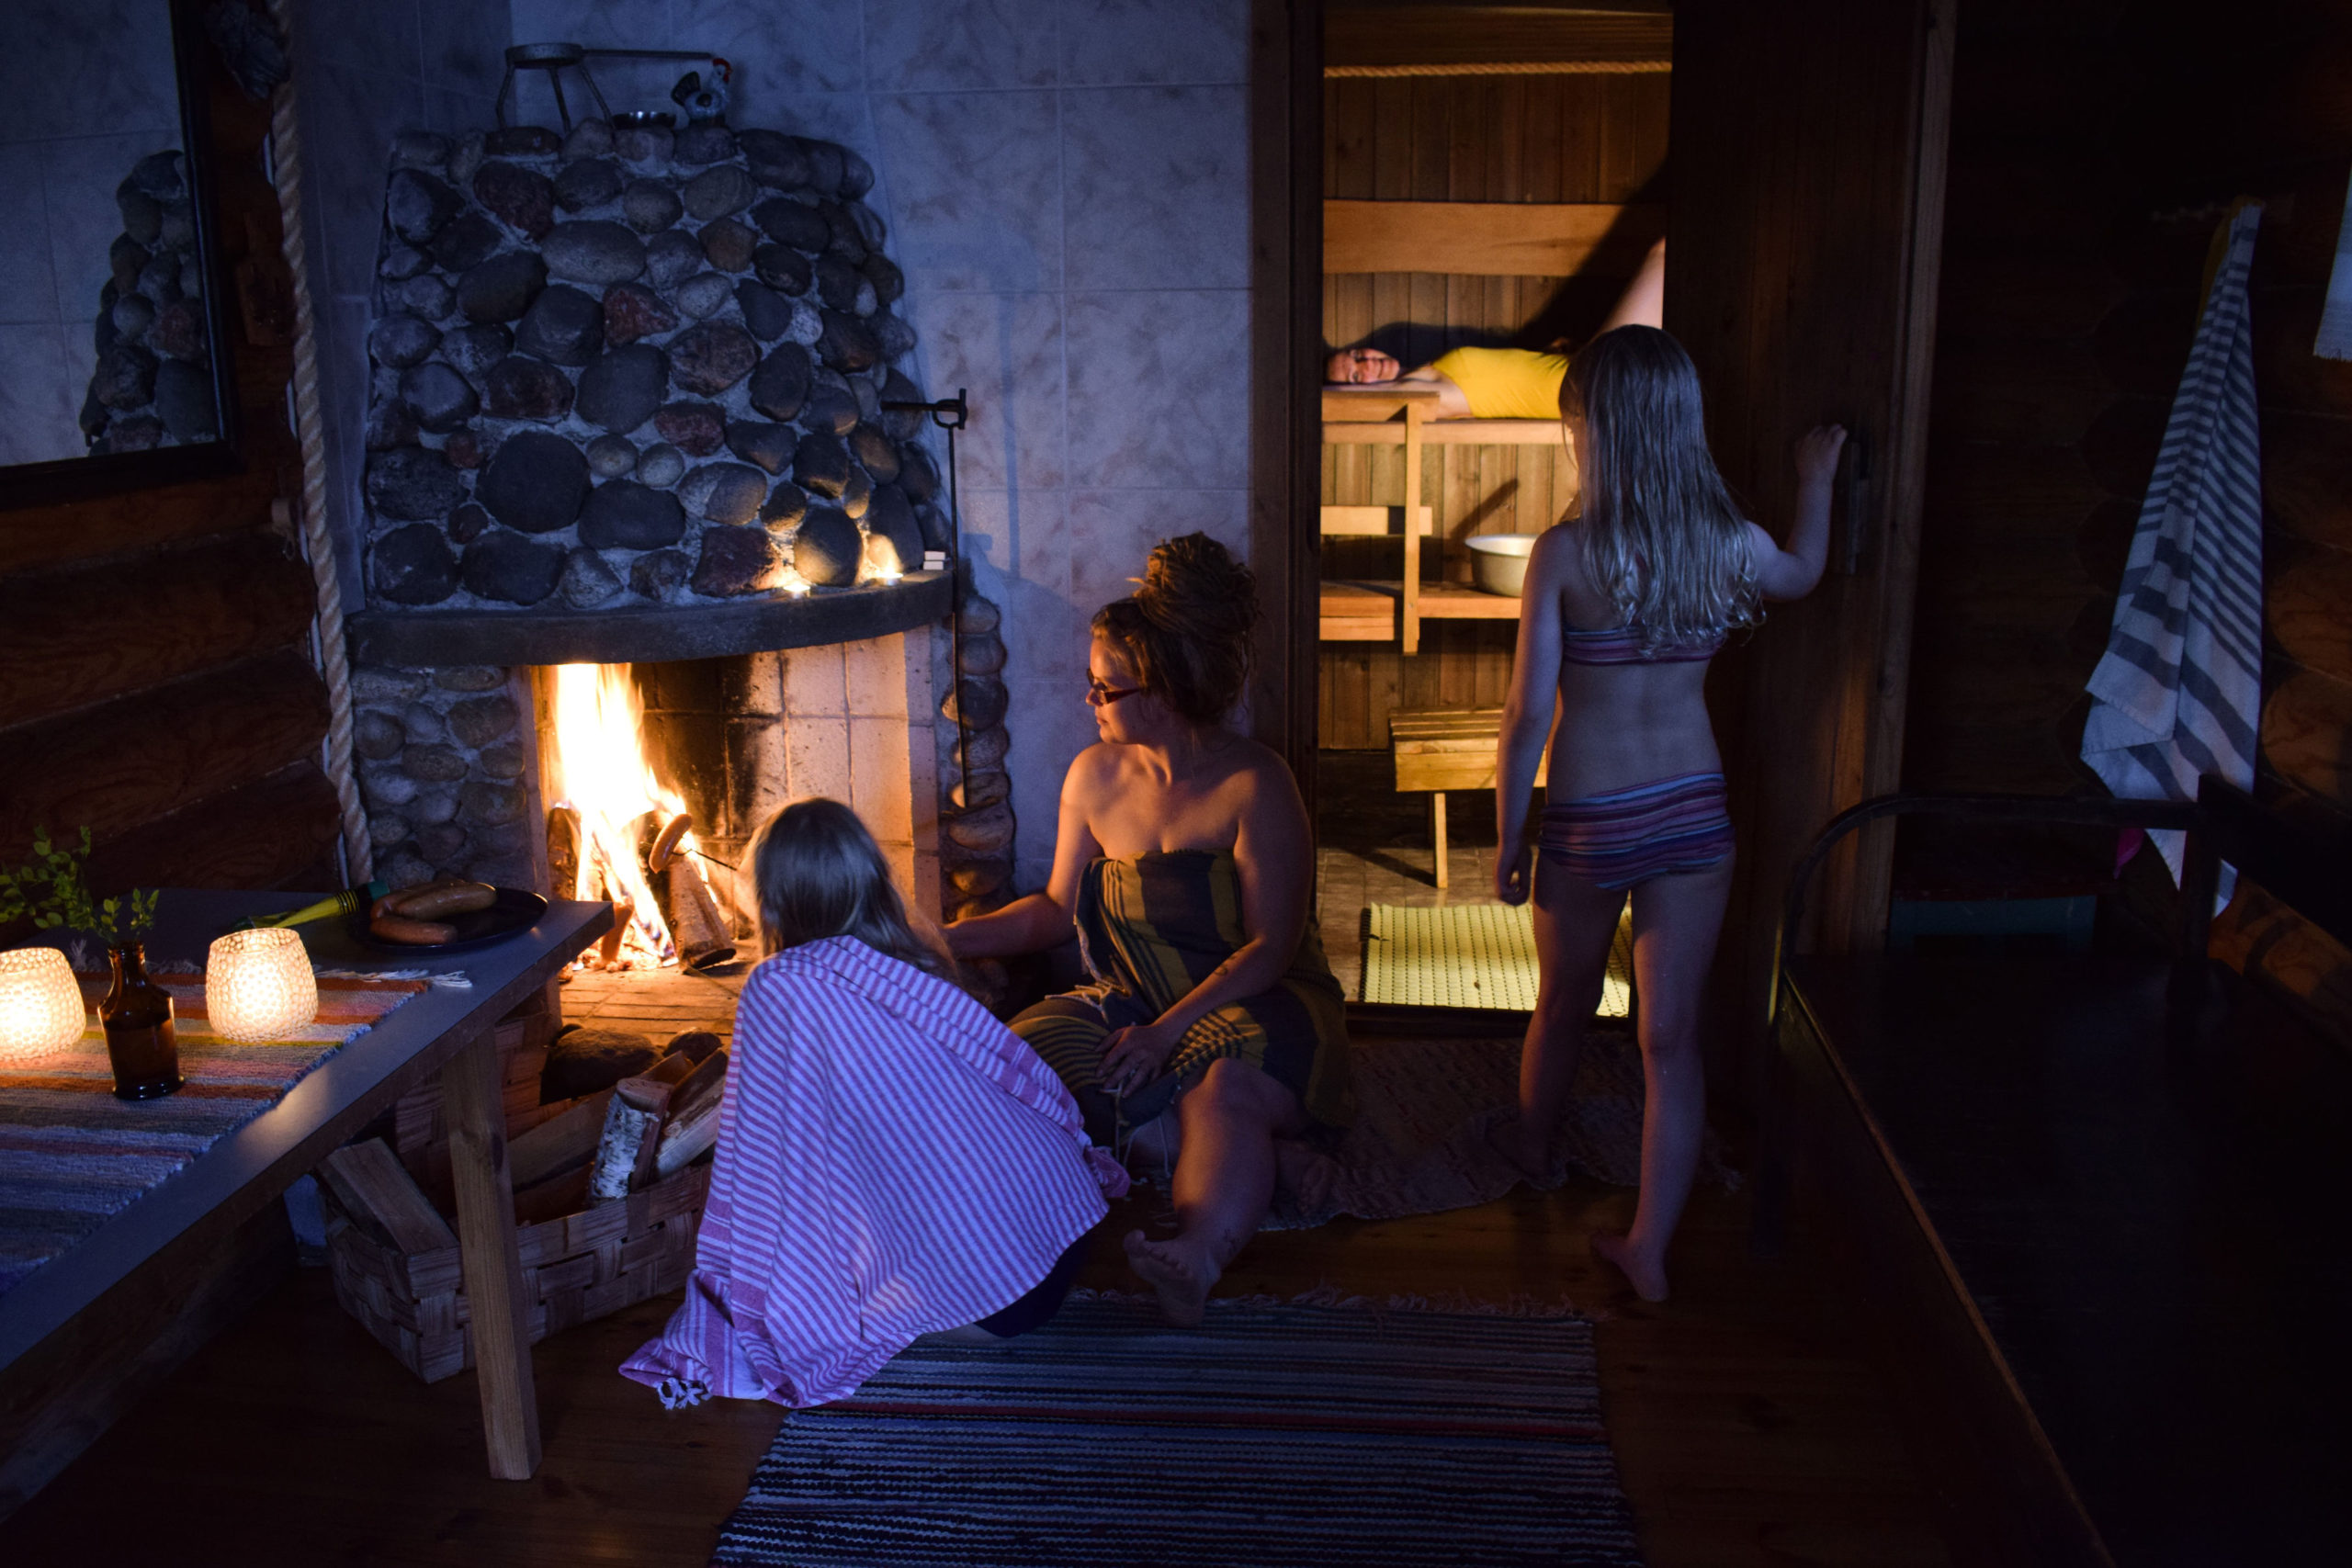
pixel 2089 1208
pixel 1440 750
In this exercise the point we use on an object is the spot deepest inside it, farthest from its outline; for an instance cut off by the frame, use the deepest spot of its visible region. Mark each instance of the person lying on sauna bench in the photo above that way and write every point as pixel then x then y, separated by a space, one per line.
pixel 1503 383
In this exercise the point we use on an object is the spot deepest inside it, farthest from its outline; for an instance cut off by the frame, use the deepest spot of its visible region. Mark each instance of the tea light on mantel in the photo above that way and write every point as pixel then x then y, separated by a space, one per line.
pixel 40 1007
pixel 258 986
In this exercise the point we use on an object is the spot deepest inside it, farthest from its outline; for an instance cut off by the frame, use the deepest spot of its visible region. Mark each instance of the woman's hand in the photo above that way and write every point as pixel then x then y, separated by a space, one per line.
pixel 1512 878
pixel 1133 1056
pixel 1817 452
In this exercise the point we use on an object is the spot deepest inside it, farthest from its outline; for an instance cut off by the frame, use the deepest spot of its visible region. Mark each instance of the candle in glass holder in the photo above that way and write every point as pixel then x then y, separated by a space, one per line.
pixel 258 986
pixel 40 1007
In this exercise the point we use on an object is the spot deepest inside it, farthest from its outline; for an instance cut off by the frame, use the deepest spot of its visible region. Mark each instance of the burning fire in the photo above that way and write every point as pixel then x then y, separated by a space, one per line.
pixel 597 767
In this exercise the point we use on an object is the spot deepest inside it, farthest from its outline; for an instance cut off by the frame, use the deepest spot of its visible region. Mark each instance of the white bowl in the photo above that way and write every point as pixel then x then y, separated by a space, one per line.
pixel 1499 562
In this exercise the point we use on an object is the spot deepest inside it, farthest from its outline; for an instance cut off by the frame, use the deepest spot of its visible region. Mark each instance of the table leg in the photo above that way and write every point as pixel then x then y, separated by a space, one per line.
pixel 494 1264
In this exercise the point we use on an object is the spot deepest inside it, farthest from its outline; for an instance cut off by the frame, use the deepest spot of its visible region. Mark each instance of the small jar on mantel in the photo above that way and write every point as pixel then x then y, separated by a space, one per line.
pixel 142 1042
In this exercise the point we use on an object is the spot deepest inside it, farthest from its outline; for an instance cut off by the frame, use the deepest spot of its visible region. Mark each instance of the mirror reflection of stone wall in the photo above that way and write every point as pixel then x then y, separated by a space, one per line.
pixel 86 93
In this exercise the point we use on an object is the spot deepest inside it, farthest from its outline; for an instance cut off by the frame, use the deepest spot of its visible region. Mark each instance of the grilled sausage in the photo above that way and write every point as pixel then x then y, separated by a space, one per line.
pixel 453 898
pixel 417 933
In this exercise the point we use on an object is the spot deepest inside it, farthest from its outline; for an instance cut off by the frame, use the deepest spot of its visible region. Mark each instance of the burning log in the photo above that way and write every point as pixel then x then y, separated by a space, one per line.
pixel 703 935
pixel 563 851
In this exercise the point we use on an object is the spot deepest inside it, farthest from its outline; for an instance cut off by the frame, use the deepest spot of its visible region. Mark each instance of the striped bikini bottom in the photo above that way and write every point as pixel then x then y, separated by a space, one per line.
pixel 1628 836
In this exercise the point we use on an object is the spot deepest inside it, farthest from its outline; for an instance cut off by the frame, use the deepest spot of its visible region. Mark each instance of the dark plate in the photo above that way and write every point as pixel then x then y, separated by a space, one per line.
pixel 515 911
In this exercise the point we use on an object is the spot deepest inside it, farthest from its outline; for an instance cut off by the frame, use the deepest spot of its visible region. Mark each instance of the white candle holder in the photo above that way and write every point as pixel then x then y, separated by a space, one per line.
pixel 258 986
pixel 41 1006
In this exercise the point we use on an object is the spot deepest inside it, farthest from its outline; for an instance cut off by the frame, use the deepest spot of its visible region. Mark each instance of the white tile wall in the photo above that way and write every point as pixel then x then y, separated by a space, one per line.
pixel 1066 185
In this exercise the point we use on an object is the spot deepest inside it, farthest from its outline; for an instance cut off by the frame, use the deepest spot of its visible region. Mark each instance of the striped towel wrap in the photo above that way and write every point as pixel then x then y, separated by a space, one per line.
pixel 2180 693
pixel 891 1161
pixel 1628 836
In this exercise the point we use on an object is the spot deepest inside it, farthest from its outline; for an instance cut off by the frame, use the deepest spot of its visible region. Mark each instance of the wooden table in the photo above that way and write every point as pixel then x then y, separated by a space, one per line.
pixel 80 1335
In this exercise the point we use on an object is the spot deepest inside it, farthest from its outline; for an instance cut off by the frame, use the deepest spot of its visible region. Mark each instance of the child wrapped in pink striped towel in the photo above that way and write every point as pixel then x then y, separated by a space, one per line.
pixel 892 1161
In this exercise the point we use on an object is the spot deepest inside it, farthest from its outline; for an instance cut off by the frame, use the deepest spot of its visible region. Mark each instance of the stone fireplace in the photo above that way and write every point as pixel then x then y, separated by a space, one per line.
pixel 630 406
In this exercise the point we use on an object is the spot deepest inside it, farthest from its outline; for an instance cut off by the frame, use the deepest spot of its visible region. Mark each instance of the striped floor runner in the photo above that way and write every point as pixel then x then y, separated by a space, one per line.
pixel 1276 1436
pixel 71 1154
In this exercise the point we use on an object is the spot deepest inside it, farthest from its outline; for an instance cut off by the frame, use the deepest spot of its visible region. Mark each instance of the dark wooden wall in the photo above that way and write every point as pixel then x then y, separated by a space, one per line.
pixel 156 683
pixel 2096 147
pixel 1487 138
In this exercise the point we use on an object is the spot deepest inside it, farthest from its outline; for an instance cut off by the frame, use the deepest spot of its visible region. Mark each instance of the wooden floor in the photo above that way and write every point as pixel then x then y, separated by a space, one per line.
pixel 1373 846
pixel 1748 1432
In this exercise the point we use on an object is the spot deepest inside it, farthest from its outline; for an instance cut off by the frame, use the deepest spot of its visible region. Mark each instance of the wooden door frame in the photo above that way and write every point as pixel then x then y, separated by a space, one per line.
pixel 1286 378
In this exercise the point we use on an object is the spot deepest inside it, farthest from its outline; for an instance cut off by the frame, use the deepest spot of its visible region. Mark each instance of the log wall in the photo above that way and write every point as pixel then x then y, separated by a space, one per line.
pixel 2096 147
pixel 1485 139
pixel 156 682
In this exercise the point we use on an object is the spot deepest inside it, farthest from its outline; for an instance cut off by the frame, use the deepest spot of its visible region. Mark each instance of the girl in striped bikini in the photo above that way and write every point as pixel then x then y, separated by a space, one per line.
pixel 1626 602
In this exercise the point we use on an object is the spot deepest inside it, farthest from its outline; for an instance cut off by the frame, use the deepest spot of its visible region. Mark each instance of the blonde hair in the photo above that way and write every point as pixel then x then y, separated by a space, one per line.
pixel 820 874
pixel 1185 630
pixel 1663 539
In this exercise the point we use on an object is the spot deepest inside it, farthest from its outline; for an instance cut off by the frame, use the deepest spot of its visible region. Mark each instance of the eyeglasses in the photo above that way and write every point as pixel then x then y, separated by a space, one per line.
pixel 1103 696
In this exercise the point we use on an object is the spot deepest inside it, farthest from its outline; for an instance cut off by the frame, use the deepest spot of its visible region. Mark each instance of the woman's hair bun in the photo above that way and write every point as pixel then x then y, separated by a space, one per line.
pixel 1186 629
pixel 1193 584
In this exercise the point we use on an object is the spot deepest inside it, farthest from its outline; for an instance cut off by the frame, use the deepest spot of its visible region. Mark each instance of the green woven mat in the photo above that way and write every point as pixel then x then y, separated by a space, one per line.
pixel 1471 955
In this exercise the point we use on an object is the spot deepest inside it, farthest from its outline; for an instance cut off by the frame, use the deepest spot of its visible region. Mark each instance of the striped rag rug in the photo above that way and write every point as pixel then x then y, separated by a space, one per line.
pixel 1338 1435
pixel 71 1154
pixel 2178 693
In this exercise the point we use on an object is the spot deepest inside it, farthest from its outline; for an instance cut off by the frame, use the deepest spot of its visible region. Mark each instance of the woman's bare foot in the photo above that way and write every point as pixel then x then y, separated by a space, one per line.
pixel 1306 1173
pixel 1649 1277
pixel 1180 1277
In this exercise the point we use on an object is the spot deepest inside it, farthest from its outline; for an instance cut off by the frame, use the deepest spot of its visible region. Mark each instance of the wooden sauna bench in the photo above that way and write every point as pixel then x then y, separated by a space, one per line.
pixel 1440 750
pixel 1396 414
pixel 2092 1211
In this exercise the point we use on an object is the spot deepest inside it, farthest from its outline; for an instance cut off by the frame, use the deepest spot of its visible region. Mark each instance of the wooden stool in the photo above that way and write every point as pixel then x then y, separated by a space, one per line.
pixel 1445 749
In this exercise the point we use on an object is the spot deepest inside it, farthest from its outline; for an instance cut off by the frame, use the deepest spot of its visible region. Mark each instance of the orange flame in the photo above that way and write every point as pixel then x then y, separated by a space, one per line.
pixel 597 766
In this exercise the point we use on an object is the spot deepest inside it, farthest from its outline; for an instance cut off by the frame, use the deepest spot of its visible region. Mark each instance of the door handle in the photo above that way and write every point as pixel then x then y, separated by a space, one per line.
pixel 1857 498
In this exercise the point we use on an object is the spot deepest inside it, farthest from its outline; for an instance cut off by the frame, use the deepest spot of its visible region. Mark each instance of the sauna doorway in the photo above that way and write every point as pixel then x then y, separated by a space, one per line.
pixel 1416 201
pixel 1492 179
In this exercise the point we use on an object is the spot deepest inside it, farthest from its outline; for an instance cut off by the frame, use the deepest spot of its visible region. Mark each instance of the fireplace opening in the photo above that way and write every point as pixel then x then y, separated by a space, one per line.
pixel 653 778
pixel 616 832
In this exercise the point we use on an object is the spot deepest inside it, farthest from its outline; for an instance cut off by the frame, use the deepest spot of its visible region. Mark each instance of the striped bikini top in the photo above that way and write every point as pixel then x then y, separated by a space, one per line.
pixel 1623 645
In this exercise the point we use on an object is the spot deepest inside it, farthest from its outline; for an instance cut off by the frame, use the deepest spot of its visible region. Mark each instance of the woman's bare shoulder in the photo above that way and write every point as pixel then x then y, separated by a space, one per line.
pixel 1098 766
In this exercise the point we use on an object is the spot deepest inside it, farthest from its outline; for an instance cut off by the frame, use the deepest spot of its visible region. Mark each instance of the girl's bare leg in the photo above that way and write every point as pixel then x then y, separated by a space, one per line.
pixel 1575 923
pixel 1643 302
pixel 1676 920
pixel 1224 1178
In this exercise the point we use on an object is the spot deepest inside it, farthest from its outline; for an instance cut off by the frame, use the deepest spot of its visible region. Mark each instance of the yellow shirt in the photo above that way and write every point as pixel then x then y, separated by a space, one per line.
pixel 1506 383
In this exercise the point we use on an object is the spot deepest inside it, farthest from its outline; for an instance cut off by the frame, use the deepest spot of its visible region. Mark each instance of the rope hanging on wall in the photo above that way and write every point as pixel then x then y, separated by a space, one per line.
pixel 334 664
pixel 1511 68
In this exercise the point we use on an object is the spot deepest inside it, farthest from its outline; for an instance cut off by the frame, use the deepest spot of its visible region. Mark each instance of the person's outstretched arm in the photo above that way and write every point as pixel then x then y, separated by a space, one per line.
pixel 1528 712
pixel 1041 920
pixel 1791 573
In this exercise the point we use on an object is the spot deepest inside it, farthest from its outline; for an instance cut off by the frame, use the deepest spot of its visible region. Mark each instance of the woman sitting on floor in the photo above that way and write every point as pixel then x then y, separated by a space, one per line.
pixel 892 1160
pixel 1213 1031
pixel 1504 383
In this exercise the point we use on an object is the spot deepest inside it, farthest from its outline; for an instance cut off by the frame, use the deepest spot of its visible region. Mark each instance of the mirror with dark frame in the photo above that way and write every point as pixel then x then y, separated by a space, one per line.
pixel 114 362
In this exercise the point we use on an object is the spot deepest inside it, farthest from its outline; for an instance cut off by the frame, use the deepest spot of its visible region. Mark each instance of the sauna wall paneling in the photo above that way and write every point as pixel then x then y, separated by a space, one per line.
pixel 1531 138
pixel 2082 202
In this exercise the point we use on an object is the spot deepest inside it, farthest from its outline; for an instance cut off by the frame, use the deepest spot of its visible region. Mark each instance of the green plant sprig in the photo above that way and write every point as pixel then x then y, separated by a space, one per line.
pixel 52 888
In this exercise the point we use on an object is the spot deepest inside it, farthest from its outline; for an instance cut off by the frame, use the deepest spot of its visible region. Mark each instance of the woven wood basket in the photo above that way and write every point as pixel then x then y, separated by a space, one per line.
pixel 579 1267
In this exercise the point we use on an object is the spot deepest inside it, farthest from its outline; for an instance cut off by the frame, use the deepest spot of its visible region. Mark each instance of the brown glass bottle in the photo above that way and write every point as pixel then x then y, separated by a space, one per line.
pixel 141 1040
